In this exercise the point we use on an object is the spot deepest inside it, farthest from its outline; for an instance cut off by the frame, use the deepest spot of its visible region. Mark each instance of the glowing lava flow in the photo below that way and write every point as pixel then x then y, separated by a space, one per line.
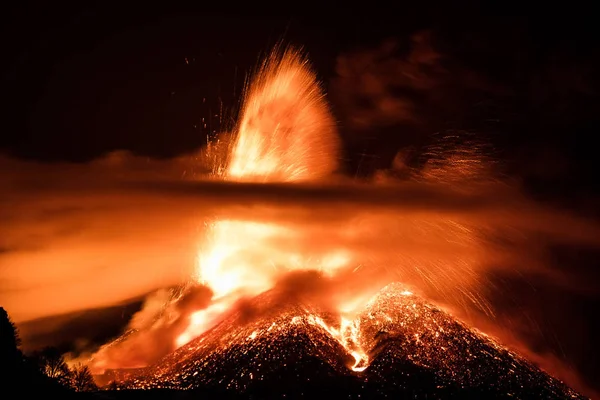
pixel 286 134
pixel 348 336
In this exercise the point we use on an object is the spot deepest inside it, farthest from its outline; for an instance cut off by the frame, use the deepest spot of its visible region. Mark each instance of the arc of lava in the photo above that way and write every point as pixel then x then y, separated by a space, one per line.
pixel 286 134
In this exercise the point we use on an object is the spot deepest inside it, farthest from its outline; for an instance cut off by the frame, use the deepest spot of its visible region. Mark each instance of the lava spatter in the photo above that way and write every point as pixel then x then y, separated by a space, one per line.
pixel 415 348
pixel 403 331
pixel 246 348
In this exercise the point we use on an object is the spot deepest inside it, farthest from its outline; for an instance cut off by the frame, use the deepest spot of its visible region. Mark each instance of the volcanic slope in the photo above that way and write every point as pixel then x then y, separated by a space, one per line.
pixel 272 349
pixel 407 337
pixel 265 339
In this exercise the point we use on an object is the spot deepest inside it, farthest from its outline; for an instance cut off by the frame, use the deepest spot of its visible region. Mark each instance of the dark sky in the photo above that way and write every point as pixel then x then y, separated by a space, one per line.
pixel 82 82
pixel 79 82
pixel 86 80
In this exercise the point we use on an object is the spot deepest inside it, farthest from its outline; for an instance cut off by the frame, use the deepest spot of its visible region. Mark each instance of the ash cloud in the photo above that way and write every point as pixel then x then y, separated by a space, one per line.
pixel 291 289
pixel 307 288
pixel 151 333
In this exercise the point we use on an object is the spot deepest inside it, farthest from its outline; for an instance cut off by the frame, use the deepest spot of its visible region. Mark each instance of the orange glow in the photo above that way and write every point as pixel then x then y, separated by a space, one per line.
pixel 225 241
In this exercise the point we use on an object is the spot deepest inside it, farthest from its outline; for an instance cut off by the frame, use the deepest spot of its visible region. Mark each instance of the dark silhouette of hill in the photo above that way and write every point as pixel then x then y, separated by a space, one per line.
pixel 19 374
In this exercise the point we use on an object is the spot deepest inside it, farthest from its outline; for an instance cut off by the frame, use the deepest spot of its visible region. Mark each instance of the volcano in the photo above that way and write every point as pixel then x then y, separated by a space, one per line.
pixel 273 348
pixel 297 340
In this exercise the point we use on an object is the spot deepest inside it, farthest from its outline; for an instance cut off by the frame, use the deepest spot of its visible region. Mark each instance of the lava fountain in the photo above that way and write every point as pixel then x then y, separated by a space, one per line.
pixel 286 134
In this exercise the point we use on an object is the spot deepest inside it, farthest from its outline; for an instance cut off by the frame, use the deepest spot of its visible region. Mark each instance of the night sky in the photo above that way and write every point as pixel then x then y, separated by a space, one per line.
pixel 80 82
pixel 85 81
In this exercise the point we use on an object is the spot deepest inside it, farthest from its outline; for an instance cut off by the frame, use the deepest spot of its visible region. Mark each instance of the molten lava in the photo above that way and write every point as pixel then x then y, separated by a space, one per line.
pixel 286 134
pixel 286 131
pixel 340 320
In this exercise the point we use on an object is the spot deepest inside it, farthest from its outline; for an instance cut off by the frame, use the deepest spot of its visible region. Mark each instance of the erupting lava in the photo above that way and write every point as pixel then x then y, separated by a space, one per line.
pixel 287 135
pixel 286 131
